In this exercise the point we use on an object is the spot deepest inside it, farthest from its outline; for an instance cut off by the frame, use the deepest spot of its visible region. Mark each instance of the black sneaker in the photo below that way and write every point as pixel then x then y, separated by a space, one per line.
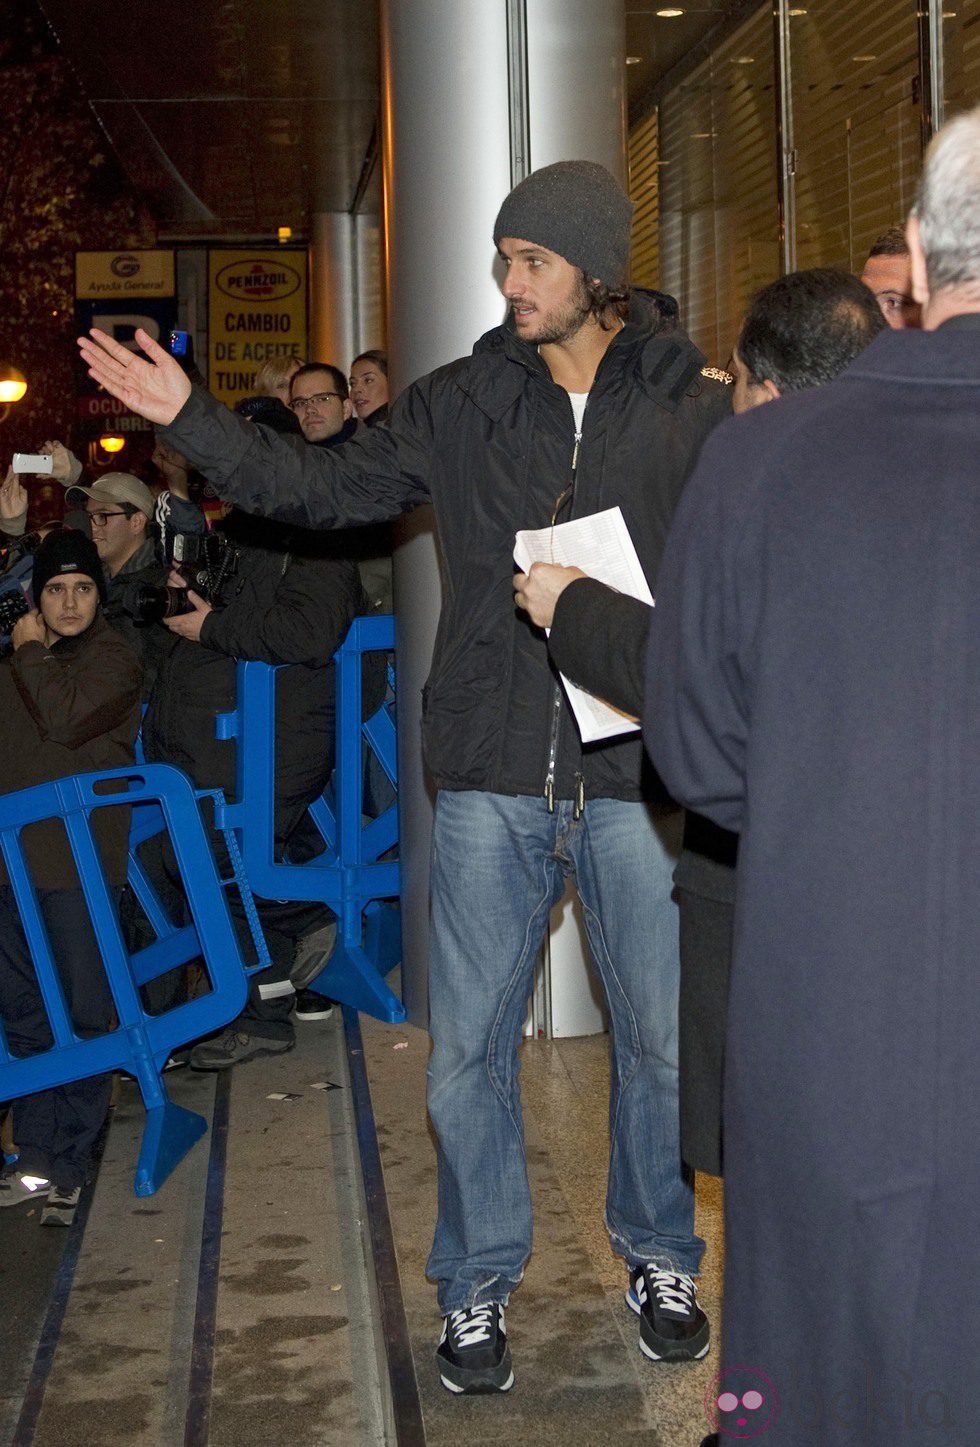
pixel 60 1207
pixel 473 1354
pixel 673 1328
pixel 311 1006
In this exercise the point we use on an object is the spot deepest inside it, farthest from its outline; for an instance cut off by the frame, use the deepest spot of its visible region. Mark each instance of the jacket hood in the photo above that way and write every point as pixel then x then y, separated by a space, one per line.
pixel 652 342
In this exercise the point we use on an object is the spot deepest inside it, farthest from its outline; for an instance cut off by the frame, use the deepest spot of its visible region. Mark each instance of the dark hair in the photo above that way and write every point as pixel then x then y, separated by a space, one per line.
pixel 605 301
pixel 340 381
pixel 890 243
pixel 380 359
pixel 805 328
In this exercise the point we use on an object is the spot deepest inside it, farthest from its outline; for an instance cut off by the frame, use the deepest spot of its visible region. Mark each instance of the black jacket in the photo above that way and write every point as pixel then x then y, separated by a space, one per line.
pixel 151 642
pixel 489 440
pixel 287 603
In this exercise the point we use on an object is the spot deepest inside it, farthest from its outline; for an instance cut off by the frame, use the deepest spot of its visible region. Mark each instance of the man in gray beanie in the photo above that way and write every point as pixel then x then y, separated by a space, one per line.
pixel 586 398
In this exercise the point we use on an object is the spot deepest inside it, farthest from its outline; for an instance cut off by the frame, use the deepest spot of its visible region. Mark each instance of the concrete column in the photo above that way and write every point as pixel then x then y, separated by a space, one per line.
pixel 576 71
pixel 446 169
pixel 370 322
pixel 447 166
pixel 333 290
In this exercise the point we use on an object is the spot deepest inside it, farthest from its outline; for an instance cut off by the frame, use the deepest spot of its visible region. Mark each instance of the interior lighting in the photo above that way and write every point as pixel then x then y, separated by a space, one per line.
pixel 796 12
pixel 111 443
pixel 670 13
pixel 633 59
pixel 743 60
pixel 285 234
pixel 13 384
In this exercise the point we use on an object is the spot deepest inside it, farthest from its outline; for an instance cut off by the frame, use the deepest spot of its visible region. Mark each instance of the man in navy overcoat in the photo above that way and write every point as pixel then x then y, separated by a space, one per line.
pixel 814 683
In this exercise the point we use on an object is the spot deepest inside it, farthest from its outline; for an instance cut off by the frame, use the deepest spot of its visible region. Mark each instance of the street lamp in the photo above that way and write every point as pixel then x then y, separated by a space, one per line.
pixel 13 385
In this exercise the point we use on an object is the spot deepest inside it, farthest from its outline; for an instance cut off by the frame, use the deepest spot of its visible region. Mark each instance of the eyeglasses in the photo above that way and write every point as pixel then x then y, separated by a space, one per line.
pixel 300 404
pixel 99 518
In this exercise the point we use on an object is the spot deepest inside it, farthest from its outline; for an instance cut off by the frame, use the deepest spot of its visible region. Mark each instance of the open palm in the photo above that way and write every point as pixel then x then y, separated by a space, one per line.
pixel 155 389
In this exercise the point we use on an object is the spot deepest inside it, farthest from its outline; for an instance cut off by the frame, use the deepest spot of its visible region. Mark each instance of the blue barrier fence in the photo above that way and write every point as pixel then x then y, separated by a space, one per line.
pixel 356 876
pixel 140 1043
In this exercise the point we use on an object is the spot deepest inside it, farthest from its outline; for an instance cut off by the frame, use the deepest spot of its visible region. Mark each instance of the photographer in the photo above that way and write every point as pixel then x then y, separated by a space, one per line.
pixel 69 703
pixel 280 598
pixel 120 512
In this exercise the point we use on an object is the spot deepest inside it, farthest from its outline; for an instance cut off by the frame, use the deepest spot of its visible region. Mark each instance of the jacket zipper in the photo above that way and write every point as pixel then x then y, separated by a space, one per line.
pixel 556 705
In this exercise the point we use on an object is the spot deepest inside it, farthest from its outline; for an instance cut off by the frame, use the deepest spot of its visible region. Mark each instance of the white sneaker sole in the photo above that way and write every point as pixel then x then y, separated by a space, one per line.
pixel 649 1352
pixel 485 1391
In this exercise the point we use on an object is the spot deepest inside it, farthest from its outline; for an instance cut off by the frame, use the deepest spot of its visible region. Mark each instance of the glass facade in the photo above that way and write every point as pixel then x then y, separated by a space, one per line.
pixel 775 154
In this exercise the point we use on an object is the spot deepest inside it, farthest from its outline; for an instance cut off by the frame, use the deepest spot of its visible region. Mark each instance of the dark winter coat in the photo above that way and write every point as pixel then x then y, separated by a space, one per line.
pixel 489 440
pixel 69 709
pixel 288 603
pixel 150 641
pixel 814 682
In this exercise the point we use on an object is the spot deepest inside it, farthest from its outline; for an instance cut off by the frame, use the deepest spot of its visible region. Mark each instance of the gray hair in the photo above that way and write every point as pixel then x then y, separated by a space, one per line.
pixel 947 205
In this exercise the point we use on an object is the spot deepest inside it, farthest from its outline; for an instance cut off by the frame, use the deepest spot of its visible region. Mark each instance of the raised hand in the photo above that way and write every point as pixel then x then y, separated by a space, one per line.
pixel 155 389
pixel 61 460
pixel 13 497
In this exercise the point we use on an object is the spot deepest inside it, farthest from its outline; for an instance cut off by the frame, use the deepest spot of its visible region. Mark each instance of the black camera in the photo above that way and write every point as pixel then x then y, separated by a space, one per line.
pixel 13 605
pixel 205 560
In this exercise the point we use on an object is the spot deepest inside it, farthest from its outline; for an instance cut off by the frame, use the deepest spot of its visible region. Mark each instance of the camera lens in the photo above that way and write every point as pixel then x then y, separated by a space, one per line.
pixel 148 604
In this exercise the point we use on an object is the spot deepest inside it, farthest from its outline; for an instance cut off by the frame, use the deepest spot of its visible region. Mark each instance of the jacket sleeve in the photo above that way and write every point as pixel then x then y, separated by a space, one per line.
pixel 380 473
pixel 598 639
pixel 75 699
pixel 314 605
pixel 698 671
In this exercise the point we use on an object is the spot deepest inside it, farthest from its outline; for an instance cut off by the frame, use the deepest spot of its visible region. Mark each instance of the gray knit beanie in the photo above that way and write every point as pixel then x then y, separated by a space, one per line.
pixel 579 210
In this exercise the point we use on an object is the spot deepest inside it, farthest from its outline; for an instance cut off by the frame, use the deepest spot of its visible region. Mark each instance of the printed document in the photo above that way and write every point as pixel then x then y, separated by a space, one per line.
pixel 601 546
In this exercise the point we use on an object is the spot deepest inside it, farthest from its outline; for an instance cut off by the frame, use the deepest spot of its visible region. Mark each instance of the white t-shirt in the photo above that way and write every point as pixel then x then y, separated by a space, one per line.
pixel 578 401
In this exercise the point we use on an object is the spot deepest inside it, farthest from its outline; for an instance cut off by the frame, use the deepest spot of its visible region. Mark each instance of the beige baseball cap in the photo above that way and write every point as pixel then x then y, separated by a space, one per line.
pixel 117 487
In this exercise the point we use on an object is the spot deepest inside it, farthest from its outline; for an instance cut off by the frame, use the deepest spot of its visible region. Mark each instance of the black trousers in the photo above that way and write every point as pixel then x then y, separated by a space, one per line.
pixel 706 951
pixel 55 1130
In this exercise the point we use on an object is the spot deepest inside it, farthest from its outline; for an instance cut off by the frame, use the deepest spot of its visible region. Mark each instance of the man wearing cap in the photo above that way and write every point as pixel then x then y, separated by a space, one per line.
pixel 587 398
pixel 69 703
pixel 120 510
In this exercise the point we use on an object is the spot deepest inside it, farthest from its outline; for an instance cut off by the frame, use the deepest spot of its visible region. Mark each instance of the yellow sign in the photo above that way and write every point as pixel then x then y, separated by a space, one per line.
pixel 257 310
pixel 101 274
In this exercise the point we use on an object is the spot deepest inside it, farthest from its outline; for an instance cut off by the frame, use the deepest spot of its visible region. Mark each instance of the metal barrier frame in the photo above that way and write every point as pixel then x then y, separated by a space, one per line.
pixel 351 877
pixel 140 1043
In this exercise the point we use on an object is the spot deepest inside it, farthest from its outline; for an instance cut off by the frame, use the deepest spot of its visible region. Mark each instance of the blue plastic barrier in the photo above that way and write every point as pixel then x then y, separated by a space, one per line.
pixel 351 876
pixel 140 1043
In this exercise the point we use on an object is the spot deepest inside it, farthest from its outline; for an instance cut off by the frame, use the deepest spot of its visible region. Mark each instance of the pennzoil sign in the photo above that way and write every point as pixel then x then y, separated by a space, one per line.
pixel 255 280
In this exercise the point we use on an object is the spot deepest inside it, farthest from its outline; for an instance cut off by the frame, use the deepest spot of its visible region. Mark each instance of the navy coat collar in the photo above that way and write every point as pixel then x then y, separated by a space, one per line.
pixel 948 356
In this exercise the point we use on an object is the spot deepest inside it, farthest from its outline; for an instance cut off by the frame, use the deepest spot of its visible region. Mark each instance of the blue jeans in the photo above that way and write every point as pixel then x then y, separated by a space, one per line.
pixel 498 866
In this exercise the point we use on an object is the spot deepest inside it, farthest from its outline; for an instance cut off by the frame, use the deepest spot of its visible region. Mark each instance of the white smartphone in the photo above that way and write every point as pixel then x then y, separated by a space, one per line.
pixel 41 462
